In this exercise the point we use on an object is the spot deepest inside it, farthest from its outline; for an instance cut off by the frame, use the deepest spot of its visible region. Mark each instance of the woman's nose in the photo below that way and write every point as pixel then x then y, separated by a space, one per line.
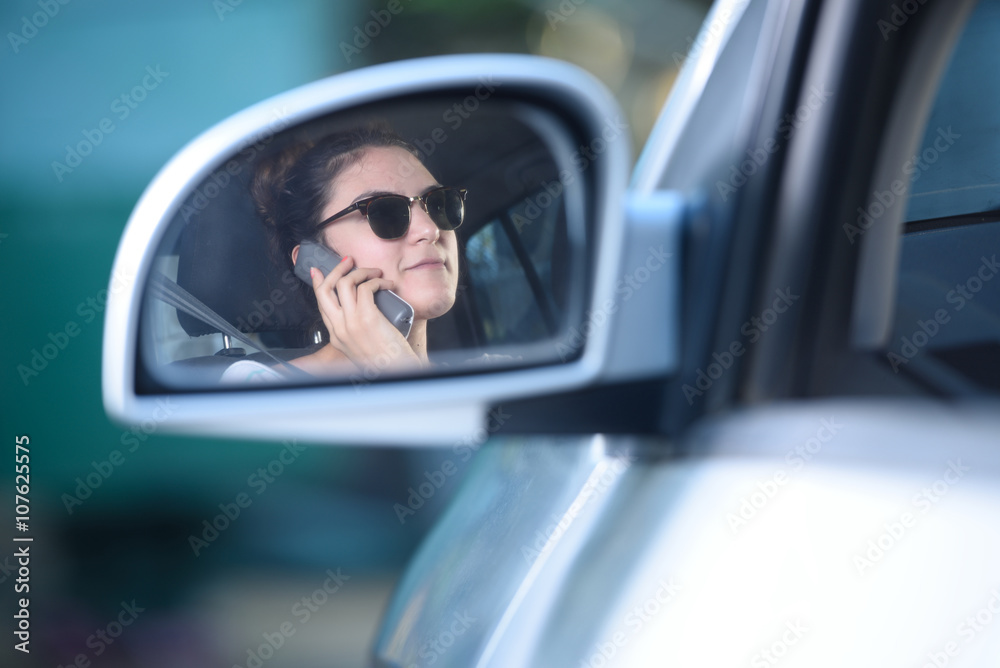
pixel 421 225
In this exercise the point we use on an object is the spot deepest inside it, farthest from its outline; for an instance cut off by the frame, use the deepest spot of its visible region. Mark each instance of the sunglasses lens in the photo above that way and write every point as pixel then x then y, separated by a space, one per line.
pixel 446 207
pixel 389 216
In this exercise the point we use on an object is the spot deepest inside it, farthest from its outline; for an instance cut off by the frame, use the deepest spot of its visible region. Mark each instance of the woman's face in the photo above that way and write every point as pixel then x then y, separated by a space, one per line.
pixel 423 264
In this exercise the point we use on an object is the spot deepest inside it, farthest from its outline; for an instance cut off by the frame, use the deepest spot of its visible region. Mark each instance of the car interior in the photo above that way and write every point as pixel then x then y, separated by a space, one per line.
pixel 515 247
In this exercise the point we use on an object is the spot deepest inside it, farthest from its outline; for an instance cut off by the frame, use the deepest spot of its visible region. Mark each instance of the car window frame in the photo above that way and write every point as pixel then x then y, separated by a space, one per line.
pixel 882 91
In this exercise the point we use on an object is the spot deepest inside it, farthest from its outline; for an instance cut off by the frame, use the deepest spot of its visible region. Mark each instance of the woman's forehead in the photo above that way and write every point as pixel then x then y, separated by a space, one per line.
pixel 387 168
pixel 382 170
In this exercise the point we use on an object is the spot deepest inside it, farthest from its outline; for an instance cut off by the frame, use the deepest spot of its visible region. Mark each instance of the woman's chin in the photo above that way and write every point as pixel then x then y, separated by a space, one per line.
pixel 426 307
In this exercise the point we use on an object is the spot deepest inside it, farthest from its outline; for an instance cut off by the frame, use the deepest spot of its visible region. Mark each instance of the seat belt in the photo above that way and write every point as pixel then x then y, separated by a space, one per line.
pixel 168 291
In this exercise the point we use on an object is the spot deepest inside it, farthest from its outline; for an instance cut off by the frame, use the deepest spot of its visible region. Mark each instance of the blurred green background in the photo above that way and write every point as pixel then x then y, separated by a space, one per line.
pixel 64 70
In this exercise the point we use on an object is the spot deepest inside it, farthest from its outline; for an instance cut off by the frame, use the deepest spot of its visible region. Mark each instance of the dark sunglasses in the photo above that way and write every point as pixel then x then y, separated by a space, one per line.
pixel 389 215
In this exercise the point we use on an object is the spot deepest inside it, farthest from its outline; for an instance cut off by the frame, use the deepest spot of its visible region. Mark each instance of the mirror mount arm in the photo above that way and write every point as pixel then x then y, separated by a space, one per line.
pixel 645 334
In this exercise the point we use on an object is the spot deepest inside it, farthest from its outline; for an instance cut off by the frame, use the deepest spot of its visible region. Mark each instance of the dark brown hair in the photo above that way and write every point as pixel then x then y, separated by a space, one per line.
pixel 291 188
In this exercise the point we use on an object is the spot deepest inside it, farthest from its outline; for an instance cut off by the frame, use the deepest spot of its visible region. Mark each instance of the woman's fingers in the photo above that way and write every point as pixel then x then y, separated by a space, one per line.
pixel 346 298
pixel 347 287
pixel 327 283
pixel 347 305
pixel 340 283
pixel 327 299
pixel 370 287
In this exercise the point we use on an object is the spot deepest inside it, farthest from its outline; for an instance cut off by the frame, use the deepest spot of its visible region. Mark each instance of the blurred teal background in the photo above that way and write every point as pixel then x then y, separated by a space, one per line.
pixel 64 69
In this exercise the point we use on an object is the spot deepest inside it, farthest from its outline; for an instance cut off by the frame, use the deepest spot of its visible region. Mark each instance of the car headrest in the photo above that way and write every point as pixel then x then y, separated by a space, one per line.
pixel 223 260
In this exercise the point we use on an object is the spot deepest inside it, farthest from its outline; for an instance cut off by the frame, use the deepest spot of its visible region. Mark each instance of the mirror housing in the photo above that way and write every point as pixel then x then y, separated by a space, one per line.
pixel 624 329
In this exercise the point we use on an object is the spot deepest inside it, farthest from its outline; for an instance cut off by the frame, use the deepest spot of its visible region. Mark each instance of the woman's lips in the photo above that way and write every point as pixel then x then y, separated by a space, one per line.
pixel 430 263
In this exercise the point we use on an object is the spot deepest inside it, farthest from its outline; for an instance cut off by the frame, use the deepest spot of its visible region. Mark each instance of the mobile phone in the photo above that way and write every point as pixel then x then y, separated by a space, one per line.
pixel 392 306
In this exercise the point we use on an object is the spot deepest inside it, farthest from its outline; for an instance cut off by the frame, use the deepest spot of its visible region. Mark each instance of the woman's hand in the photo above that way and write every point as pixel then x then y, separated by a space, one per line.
pixel 357 328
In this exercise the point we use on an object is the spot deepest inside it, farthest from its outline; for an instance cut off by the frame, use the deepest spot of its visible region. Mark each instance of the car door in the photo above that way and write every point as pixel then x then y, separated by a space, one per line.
pixel 809 499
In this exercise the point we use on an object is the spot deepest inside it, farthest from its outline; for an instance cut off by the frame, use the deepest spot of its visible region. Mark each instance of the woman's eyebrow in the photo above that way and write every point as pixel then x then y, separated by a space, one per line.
pixel 372 193
pixel 377 193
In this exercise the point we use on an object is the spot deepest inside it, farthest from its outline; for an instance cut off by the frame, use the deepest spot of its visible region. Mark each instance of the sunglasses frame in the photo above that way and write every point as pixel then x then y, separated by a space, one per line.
pixel 362 206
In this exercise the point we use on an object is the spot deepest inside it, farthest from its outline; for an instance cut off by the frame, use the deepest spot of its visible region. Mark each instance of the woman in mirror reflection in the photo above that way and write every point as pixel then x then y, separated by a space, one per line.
pixel 364 194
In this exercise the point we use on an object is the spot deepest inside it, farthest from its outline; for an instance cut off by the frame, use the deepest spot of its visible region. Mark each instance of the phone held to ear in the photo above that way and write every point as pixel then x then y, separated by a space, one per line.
pixel 392 306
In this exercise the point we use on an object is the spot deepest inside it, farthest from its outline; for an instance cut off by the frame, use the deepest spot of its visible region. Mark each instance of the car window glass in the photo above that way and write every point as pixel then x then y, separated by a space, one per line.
pixel 947 320
pixel 514 246
pixel 510 266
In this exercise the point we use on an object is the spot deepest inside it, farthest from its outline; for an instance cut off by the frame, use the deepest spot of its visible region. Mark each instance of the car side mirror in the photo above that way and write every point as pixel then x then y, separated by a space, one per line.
pixel 551 291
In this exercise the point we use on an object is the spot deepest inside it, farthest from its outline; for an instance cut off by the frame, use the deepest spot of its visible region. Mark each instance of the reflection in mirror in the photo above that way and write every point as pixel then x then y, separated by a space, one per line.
pixel 450 230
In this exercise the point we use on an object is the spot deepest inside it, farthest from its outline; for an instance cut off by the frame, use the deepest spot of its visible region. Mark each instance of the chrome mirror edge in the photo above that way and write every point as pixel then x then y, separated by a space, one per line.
pixel 542 79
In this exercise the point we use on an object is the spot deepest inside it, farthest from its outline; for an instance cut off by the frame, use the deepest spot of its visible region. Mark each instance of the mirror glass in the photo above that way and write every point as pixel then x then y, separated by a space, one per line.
pixel 391 180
